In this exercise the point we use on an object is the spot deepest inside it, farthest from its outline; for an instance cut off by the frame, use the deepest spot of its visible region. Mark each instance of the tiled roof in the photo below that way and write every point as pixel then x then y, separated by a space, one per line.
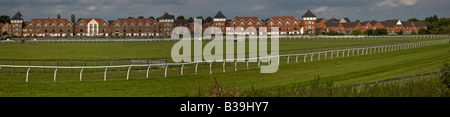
pixel 419 24
pixel 1 25
pixel 166 16
pixel 220 15
pixel 87 20
pixel 333 20
pixel 246 19
pixel 121 20
pixel 331 24
pixel 17 17
pixel 64 20
pixel 319 20
pixel 350 24
pixel 346 19
pixel 407 24
pixel 284 18
pixel 390 23
pixel 308 14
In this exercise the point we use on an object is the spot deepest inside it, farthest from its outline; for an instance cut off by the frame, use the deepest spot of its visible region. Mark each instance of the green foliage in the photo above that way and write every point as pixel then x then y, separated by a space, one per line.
pixel 412 20
pixel 368 32
pixel 58 16
pixel 331 32
pixel 380 32
pixel 445 75
pixel 400 32
pixel 356 32
pixel 5 19
pixel 191 19
pixel 424 31
pixel 418 88
pixel 413 33
pixel 181 17
pixel 208 19
pixel 436 25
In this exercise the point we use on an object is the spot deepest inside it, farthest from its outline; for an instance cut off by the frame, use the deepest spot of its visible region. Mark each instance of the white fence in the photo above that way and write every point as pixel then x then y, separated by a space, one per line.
pixel 331 53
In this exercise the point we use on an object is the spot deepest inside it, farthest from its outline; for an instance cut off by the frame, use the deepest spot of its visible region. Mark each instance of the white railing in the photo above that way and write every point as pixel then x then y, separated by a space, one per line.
pixel 337 53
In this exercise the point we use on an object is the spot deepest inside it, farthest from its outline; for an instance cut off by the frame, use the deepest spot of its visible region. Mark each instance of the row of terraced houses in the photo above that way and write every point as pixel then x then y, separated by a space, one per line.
pixel 308 23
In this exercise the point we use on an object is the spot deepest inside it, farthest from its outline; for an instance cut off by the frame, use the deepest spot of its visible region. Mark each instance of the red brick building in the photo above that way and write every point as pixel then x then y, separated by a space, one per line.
pixel 246 22
pixel 92 27
pixel 135 27
pixel 48 27
pixel 285 24
pixel 165 24
pixel 309 20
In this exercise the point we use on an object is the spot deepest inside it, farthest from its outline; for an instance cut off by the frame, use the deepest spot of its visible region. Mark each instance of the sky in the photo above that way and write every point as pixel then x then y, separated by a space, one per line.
pixel 112 9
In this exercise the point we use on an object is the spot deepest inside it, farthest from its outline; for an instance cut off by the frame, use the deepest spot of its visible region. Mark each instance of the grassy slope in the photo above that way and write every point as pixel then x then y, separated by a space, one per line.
pixel 342 71
pixel 149 49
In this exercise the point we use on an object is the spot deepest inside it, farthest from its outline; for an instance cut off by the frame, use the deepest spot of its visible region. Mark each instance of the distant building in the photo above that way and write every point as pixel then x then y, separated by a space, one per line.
pixel 165 24
pixel 246 22
pixel 308 20
pixel 285 24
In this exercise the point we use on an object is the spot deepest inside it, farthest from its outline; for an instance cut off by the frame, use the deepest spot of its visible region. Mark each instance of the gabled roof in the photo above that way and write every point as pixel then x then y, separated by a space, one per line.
pixel 350 24
pixel 136 20
pixel 166 16
pixel 333 20
pixel 365 23
pixel 331 24
pixel 419 24
pixel 373 23
pixel 87 20
pixel 407 24
pixel 283 18
pixel 308 14
pixel 220 15
pixel 390 23
pixel 17 17
pixel 319 20
pixel 111 22
pixel 246 19
pixel 50 20
pixel 346 19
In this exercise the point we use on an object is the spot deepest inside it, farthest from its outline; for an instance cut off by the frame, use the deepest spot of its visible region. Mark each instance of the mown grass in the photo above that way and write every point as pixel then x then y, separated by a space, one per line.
pixel 343 71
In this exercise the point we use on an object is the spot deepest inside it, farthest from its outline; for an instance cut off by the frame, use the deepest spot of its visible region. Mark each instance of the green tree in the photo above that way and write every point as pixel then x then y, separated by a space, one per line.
pixel 412 20
pixel 368 32
pixel 413 33
pixel 424 31
pixel 191 19
pixel 356 32
pixel 72 18
pixel 151 17
pixel 400 32
pixel 5 19
pixel 208 19
pixel 141 17
pixel 181 17
pixel 58 16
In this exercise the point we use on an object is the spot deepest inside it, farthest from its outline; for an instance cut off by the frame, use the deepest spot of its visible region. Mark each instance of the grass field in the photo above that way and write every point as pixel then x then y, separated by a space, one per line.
pixel 342 71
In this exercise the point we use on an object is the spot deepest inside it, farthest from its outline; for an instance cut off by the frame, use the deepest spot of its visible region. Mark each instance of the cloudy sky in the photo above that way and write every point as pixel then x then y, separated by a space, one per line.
pixel 112 9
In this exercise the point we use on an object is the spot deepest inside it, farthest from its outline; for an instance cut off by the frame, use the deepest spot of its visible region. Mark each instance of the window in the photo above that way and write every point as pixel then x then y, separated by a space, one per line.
pixel 81 30
pixel 60 30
